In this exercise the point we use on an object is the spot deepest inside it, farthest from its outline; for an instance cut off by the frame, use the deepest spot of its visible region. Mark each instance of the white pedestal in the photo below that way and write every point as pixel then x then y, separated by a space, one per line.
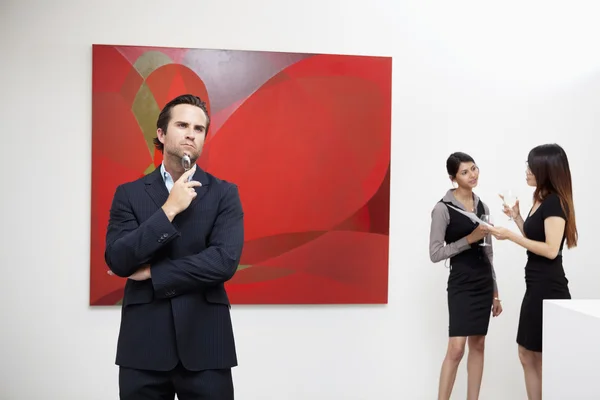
pixel 571 350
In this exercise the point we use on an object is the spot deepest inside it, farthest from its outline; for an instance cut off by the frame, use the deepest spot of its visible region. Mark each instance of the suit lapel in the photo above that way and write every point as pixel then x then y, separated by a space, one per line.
pixel 155 187
pixel 201 177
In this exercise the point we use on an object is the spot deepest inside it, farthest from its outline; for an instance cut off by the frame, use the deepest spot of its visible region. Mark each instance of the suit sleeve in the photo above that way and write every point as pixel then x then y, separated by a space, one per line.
pixel 437 250
pixel 129 245
pixel 216 264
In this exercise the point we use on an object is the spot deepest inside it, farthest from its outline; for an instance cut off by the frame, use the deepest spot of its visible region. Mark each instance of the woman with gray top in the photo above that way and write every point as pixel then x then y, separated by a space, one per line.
pixel 472 289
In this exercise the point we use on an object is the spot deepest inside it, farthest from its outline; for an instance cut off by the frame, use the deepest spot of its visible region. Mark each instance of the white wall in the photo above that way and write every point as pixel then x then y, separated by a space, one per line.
pixel 513 75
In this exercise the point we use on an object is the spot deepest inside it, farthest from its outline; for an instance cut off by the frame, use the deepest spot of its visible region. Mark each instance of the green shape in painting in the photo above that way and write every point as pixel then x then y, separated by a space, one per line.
pixel 146 111
pixel 150 168
pixel 150 61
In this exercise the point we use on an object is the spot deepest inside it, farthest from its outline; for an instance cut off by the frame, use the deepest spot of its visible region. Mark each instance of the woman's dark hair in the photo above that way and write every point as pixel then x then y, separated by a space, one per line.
pixel 550 166
pixel 453 162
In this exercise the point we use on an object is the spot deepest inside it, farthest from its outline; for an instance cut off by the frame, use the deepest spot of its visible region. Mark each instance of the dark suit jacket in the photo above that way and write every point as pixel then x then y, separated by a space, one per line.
pixel 182 313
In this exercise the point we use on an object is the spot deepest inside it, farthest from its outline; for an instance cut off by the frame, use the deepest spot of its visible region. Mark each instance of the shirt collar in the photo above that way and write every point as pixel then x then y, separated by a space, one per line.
pixel 449 197
pixel 166 176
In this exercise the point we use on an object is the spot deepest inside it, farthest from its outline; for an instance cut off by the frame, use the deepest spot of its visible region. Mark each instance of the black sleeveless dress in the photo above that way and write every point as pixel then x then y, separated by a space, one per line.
pixel 471 282
pixel 544 278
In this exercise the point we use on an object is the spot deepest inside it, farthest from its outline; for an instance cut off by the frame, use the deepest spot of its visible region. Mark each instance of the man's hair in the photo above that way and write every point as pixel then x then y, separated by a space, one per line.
pixel 165 115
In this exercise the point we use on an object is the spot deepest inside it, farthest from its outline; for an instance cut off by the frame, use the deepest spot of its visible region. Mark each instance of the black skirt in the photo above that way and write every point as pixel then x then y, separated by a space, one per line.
pixel 470 299
pixel 544 281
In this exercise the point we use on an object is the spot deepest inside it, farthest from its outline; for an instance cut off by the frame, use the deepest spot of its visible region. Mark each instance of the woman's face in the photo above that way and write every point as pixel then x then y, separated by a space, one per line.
pixel 530 178
pixel 467 175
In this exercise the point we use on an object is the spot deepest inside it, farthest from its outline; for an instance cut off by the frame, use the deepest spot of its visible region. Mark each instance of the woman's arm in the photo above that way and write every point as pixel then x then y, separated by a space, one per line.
pixel 519 221
pixel 554 228
pixel 489 251
pixel 440 218
pixel 515 213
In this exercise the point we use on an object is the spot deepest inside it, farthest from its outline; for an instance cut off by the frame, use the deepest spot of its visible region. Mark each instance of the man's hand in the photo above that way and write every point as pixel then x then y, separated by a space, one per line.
pixel 141 274
pixel 181 195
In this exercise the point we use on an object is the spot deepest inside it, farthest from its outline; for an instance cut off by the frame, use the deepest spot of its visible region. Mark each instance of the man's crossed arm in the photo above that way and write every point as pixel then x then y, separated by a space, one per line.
pixel 130 246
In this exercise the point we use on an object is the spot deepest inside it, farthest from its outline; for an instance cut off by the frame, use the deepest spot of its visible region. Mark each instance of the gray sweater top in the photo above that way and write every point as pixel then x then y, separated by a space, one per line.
pixel 440 218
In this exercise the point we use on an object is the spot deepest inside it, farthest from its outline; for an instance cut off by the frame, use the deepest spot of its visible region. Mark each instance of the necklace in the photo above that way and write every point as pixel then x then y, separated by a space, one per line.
pixel 468 204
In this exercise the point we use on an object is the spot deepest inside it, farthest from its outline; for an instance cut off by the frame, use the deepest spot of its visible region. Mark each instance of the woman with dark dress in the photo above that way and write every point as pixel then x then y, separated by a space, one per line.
pixel 549 224
pixel 472 289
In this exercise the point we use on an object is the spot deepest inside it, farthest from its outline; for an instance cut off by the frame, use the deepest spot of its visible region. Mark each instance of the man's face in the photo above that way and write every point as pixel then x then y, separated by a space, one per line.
pixel 185 133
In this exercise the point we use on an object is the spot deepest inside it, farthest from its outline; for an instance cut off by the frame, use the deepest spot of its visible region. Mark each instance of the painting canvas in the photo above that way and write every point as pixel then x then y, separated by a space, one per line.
pixel 306 137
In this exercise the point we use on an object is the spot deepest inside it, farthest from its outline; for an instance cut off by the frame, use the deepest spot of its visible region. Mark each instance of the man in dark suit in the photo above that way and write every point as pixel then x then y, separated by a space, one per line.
pixel 176 236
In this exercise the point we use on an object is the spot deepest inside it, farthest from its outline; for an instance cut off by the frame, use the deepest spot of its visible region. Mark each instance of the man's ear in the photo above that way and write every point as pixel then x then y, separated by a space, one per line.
pixel 160 134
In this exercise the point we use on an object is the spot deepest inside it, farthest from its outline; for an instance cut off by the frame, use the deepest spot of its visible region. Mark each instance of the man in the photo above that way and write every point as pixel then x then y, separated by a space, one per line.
pixel 176 236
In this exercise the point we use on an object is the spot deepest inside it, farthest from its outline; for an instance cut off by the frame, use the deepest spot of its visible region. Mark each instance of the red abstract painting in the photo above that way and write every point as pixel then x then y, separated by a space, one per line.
pixel 306 137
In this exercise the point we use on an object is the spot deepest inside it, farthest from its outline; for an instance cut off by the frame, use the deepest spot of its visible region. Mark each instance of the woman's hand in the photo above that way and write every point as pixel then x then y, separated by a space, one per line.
pixel 500 232
pixel 513 212
pixel 496 307
pixel 478 233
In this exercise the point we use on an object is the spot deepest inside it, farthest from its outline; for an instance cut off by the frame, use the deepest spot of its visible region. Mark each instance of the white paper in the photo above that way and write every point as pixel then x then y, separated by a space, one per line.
pixel 471 215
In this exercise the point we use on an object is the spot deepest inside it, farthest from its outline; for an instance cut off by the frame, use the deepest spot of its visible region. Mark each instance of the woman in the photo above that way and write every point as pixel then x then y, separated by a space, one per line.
pixel 550 222
pixel 472 289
